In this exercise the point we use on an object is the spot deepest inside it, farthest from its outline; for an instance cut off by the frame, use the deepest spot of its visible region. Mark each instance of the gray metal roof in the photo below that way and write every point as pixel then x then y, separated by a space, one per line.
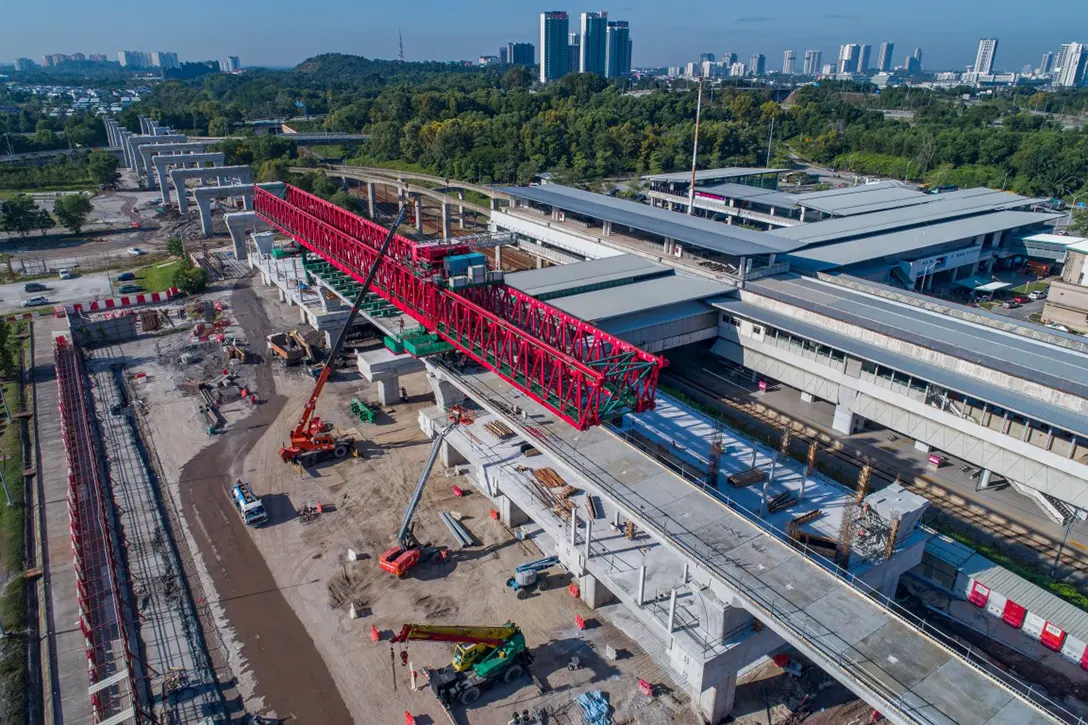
pixel 1025 405
pixel 945 207
pixel 552 280
pixel 687 230
pixel 662 316
pixel 905 242
pixel 639 297
pixel 730 172
pixel 1050 365
pixel 864 199
pixel 749 193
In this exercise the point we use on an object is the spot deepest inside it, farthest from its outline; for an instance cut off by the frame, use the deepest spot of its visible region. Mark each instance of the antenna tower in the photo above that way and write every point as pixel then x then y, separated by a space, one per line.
pixel 400 44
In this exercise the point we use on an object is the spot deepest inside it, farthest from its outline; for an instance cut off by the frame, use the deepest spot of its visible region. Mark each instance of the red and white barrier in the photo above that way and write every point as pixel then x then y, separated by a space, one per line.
pixel 146 298
pixel 24 316
pixel 1015 615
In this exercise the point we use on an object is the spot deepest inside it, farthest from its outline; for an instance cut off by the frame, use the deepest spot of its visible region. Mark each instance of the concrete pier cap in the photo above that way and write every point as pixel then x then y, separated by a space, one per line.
pixel 384 368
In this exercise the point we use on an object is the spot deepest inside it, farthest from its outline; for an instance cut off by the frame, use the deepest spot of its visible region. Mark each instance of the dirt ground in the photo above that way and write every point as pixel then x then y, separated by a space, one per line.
pixel 282 592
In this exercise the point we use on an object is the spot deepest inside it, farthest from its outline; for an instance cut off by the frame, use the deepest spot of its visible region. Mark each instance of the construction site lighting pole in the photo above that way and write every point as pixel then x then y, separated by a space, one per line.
pixel 695 149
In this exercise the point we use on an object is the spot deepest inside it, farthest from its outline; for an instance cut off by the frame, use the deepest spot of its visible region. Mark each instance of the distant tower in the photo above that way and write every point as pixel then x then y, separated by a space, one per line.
pixel 984 59
pixel 400 44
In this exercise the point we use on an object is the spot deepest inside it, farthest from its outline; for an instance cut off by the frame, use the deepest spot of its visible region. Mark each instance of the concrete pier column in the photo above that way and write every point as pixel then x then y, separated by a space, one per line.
pixel 593 592
pixel 461 211
pixel 247 201
pixel 160 173
pixel 498 255
pixel 806 397
pixel 573 530
pixel 509 513
pixel 370 198
pixel 641 599
pixel 445 393
pixel 282 294
pixel 445 220
pixel 671 626
pixel 844 419
pixel 589 538
pixel 494 204
pixel 448 454
pixel 419 215
pixel 387 391
pixel 984 478
pixel 606 228
pixel 716 702
pixel 540 263
pixel 205 207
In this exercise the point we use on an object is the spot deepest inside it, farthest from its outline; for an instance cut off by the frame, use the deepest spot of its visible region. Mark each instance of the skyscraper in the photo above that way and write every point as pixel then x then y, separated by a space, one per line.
pixel 1047 63
pixel 1075 66
pixel 504 54
pixel 594 44
pixel 788 61
pixel 521 54
pixel 848 57
pixel 1059 61
pixel 554 45
pixel 618 51
pixel 813 60
pixel 914 62
pixel 984 59
pixel 864 57
pixel 574 52
pixel 164 60
pixel 884 60
pixel 704 57
pixel 757 64
pixel 24 64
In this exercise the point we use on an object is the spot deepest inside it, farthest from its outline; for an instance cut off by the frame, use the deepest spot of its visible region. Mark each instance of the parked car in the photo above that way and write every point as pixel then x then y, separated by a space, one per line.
pixel 1019 299
pixel 34 287
pixel 135 251
pixel 1010 304
pixel 126 276
pixel 36 301
pixel 1059 328
pixel 127 289
pixel 64 274
pixel 1039 294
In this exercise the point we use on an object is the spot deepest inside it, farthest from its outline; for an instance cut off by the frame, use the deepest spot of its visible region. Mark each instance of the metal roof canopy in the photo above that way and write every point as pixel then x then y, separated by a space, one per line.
pixel 749 193
pixel 982 284
pixel 550 280
pixel 944 207
pixel 639 297
pixel 729 172
pixel 1022 357
pixel 687 230
pixel 625 324
pixel 864 199
pixel 877 246
pixel 1025 405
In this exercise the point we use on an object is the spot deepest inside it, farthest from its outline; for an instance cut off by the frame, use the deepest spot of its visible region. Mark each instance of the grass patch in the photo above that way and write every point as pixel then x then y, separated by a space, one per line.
pixel 156 277
pixel 1030 287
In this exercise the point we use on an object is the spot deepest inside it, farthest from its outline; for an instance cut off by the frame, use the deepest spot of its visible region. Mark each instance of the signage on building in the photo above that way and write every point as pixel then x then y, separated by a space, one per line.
pixel 941 262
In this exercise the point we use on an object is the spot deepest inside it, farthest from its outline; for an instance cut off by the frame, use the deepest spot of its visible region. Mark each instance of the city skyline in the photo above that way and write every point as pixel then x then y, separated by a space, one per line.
pixel 282 39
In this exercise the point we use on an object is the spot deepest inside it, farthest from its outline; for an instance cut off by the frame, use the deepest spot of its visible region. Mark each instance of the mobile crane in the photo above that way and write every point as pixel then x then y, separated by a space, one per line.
pixel 483 656
pixel 408 551
pixel 310 442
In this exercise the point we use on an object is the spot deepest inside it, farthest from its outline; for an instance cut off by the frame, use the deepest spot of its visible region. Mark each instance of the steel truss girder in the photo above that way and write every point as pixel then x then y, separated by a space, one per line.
pixel 580 373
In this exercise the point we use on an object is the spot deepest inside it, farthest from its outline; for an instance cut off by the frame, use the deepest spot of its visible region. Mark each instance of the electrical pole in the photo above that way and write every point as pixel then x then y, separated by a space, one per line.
pixel 695 149
pixel 770 138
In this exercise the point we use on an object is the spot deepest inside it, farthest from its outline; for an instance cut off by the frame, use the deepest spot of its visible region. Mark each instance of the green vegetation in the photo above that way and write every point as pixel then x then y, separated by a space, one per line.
pixel 1030 287
pixel 72 211
pixel 62 173
pixel 189 278
pixel 21 215
pixel 175 247
pixel 30 129
pixel 1080 223
pixel 157 277
pixel 103 168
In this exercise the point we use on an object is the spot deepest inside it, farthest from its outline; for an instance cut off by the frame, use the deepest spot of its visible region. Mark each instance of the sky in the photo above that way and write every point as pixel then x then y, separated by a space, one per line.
pixel 281 33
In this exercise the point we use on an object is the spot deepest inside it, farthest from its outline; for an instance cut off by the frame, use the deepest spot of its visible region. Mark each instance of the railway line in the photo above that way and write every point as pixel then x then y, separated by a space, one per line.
pixel 701 386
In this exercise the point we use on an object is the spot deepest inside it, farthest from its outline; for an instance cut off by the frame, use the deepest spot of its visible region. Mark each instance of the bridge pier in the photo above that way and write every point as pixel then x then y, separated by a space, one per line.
pixel 446 220
pixel 419 214
pixel 204 205
pixel 238 223
pixel 370 198
pixel 461 211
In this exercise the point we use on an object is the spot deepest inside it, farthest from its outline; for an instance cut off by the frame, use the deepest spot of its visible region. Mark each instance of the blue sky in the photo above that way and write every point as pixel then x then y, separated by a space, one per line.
pixel 278 32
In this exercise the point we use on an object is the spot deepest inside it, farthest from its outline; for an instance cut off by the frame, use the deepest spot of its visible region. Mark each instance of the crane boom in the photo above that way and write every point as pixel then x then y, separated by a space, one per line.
pixel 307 412
pixel 404 533
pixel 492 636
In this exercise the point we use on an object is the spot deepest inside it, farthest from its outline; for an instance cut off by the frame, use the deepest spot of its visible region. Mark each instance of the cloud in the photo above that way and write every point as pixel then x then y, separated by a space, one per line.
pixel 754 19
pixel 839 16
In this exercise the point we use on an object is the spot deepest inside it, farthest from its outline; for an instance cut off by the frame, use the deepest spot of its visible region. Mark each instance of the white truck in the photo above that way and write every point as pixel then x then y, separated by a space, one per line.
pixel 249 506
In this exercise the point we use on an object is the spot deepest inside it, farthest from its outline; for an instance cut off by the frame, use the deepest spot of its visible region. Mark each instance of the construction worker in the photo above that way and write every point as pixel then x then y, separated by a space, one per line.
pixel 403 395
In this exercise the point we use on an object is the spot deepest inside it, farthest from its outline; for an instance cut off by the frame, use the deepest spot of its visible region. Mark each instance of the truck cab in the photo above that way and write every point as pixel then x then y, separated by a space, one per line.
pixel 249 506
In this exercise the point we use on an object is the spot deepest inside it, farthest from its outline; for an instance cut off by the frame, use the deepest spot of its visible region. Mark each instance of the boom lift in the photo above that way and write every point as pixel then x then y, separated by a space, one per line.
pixel 310 442
pixel 409 551
pixel 483 656
pixel 527 577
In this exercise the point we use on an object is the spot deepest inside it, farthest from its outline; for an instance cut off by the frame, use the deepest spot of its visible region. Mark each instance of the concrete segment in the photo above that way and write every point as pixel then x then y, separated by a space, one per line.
pixel 180 160
pixel 149 151
pixel 235 175
pixel 135 142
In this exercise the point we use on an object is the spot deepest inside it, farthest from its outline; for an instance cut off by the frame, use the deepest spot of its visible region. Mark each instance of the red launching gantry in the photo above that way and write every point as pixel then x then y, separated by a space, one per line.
pixel 578 372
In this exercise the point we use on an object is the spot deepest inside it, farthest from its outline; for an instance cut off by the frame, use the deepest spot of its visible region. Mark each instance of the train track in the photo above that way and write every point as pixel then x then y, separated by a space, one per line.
pixel 945 500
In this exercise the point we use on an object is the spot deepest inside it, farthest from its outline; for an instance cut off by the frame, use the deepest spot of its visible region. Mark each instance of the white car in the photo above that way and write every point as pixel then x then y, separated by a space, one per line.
pixel 135 251
pixel 1039 294
pixel 64 274
pixel 1059 328
pixel 36 301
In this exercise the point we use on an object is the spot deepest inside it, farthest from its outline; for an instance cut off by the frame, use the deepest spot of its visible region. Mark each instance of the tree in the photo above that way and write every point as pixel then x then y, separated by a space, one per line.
pixel 218 126
pixel 189 278
pixel 72 211
pixel 175 247
pixel 44 221
pixel 517 77
pixel 1079 225
pixel 9 350
pixel 20 214
pixel 103 168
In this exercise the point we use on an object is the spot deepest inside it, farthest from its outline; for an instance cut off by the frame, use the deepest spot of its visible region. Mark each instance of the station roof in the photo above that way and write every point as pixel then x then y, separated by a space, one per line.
pixel 1016 402
pixel 982 284
pixel 553 281
pixel 749 193
pixel 1022 357
pixel 863 199
pixel 639 297
pixel 624 324
pixel 730 172
pixel 907 241
pixel 948 206
pixel 1077 244
pixel 687 230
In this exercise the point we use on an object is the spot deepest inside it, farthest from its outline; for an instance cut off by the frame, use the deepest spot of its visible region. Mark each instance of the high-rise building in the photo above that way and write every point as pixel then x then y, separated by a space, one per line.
pixel 521 54
pixel 864 56
pixel 1059 61
pixel 914 62
pixel 230 64
pixel 504 54
pixel 77 57
pixel 757 64
pixel 704 57
pixel 1046 64
pixel 133 59
pixel 984 59
pixel 59 58
pixel 47 61
pixel 97 57
pixel 593 50
pixel 813 60
pixel 574 52
pixel 727 58
pixel 554 45
pixel 24 64
pixel 618 52
pixel 848 57
pixel 1074 70
pixel 737 70
pixel 788 61
pixel 884 60
pixel 164 60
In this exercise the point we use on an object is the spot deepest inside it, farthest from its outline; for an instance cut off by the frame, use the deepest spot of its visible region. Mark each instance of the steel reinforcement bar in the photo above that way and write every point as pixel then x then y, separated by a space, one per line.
pixel 582 374
pixel 113 676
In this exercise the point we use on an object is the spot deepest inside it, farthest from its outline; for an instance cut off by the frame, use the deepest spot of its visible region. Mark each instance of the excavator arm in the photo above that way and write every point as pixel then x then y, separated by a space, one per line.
pixel 491 636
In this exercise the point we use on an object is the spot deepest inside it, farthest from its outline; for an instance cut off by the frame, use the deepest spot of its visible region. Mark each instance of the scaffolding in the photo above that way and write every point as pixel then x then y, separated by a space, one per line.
pixel 106 617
